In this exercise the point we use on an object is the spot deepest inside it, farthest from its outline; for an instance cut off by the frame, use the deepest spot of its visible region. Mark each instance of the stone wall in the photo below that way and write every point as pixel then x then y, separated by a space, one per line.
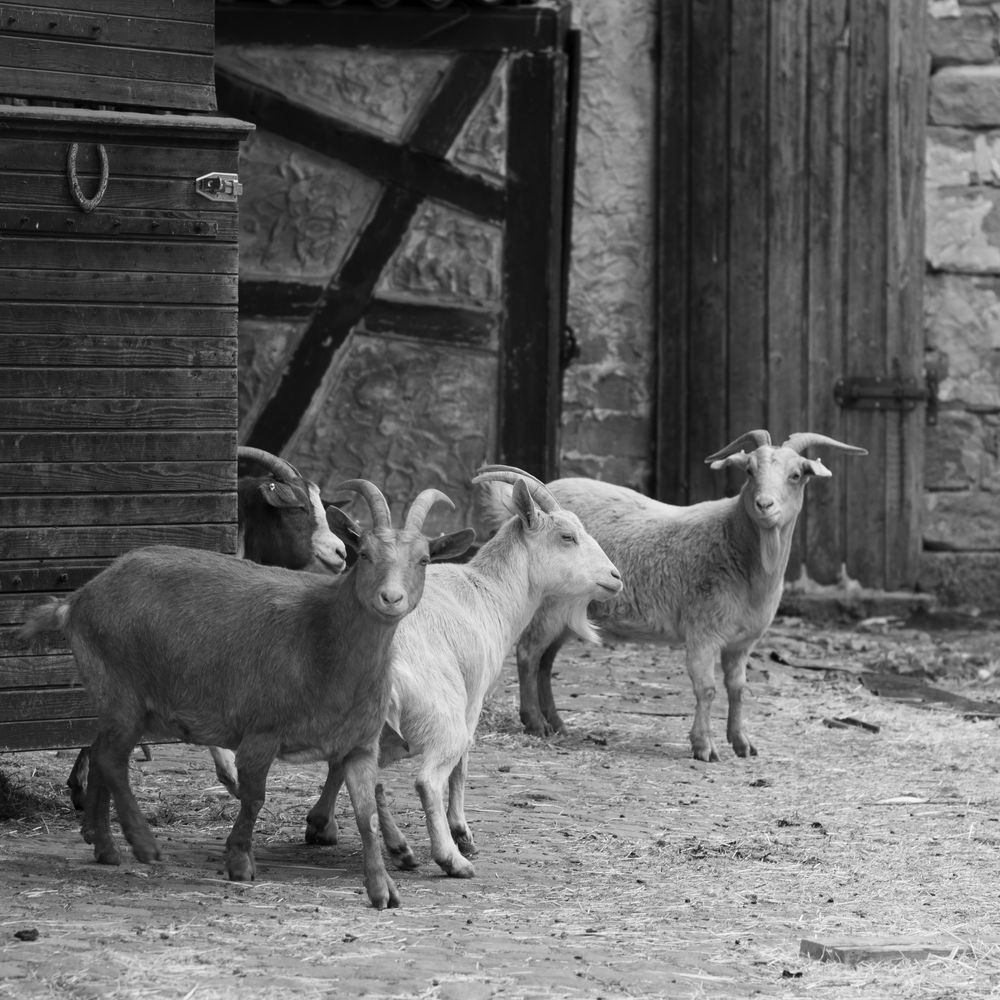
pixel 961 561
pixel 609 390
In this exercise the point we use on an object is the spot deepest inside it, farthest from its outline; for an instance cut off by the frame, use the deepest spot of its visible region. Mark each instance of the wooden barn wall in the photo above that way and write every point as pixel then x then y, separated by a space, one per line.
pixel 791 243
pixel 117 372
pixel 401 283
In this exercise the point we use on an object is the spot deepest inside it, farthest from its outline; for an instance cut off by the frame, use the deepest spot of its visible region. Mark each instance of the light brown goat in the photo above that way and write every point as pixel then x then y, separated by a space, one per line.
pixel 708 576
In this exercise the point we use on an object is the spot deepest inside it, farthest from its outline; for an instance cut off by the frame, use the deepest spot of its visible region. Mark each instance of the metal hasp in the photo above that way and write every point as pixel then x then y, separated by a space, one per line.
pixel 219 187
pixel 888 392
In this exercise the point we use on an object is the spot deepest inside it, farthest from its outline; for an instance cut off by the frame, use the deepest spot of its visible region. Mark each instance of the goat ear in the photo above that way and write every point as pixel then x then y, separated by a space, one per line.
pixel 344 527
pixel 815 467
pixel 739 461
pixel 452 545
pixel 279 494
pixel 524 506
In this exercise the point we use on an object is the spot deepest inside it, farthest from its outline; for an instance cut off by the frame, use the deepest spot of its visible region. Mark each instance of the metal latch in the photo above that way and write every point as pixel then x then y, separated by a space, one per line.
pixel 219 187
pixel 888 392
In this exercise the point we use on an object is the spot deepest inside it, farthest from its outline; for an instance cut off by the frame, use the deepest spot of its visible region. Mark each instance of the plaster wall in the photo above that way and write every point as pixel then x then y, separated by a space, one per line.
pixel 607 421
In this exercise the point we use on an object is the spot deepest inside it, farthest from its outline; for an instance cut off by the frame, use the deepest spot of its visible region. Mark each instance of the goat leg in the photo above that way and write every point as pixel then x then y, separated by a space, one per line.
pixel 734 669
pixel 701 670
pixel 95 827
pixel 253 761
pixel 430 787
pixel 109 758
pixel 395 840
pixel 77 780
pixel 546 703
pixel 457 822
pixel 321 823
pixel 360 773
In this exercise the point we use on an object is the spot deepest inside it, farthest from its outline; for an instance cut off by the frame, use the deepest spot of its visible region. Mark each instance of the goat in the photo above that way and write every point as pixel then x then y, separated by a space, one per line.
pixel 708 576
pixel 282 518
pixel 282 521
pixel 448 654
pixel 212 650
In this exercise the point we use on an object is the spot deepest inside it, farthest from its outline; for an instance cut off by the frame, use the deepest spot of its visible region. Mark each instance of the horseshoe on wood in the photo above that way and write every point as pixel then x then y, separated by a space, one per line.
pixel 87 204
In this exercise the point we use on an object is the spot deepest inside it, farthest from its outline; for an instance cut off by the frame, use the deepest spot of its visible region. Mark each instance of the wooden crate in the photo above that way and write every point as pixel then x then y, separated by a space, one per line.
pixel 118 410
pixel 144 53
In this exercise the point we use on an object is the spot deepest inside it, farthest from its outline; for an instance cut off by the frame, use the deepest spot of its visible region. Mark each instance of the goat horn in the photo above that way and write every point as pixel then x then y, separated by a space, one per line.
pixel 421 506
pixel 377 503
pixel 758 439
pixel 277 466
pixel 509 474
pixel 800 441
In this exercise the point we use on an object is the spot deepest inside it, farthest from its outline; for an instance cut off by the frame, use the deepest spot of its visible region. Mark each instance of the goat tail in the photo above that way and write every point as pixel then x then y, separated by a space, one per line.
pixel 495 503
pixel 50 617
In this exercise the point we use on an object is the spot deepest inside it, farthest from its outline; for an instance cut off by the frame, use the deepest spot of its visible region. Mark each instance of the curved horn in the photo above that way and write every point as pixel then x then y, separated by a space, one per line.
pixel 802 440
pixel 379 506
pixel 758 439
pixel 509 474
pixel 421 506
pixel 277 466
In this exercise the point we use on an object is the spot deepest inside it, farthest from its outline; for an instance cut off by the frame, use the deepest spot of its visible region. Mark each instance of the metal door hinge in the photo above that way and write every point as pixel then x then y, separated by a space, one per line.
pixel 888 392
pixel 219 187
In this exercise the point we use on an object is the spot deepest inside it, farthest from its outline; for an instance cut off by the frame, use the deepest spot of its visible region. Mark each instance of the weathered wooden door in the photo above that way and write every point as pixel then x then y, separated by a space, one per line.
pixel 401 254
pixel 791 258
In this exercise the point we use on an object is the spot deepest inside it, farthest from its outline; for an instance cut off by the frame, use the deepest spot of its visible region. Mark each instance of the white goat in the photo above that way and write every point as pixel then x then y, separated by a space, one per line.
pixel 708 576
pixel 449 653
pixel 268 662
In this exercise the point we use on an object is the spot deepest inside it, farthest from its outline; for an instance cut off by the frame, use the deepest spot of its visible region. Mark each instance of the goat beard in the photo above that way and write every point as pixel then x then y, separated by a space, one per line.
pixel 773 551
pixel 580 625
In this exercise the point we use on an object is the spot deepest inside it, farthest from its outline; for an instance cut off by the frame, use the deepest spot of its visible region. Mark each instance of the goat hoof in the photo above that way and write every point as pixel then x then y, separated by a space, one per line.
pixel 457 868
pixel 464 842
pixel 147 854
pixel 240 867
pixel 321 832
pixel 383 894
pixel 107 855
pixel 403 858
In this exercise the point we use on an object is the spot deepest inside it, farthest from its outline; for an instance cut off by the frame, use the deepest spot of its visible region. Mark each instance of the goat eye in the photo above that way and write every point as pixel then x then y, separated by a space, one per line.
pixel 425 560
pixel 569 537
pixel 795 477
pixel 364 555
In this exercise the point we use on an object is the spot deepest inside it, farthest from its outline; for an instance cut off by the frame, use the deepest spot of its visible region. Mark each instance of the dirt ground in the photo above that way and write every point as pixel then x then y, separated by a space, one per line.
pixel 610 863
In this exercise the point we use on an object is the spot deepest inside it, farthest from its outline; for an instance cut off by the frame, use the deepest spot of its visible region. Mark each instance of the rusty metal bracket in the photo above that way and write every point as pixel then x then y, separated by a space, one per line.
pixel 888 392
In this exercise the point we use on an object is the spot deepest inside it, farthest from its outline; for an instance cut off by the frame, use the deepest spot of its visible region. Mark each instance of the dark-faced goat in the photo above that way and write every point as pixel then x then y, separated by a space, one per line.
pixel 281 516
pixel 207 649
pixel 708 576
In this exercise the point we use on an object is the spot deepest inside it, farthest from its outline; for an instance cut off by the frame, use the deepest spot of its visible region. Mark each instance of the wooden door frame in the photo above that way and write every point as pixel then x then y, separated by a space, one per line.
pixel 534 204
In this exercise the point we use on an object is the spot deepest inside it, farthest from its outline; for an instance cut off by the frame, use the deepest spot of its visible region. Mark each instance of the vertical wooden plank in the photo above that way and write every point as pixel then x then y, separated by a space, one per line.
pixel 866 275
pixel 709 247
pixel 747 375
pixel 531 393
pixel 787 234
pixel 672 240
pixel 907 116
pixel 823 516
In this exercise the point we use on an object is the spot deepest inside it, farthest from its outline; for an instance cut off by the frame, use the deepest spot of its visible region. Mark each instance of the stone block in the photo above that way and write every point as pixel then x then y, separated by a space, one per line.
pixel 958 157
pixel 954 451
pixel 961 521
pixel 963 229
pixel 965 95
pixel 962 579
pixel 969 37
pixel 962 327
